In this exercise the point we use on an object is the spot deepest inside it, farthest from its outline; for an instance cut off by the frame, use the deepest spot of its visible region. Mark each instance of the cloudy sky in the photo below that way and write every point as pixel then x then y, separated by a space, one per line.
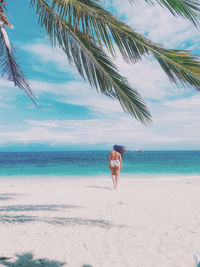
pixel 72 116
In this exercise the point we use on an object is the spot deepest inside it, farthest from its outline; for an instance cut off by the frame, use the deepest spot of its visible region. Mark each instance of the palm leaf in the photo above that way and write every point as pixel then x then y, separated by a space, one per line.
pixel 188 73
pixel 90 18
pixel 10 70
pixel 188 9
pixel 93 20
pixel 91 61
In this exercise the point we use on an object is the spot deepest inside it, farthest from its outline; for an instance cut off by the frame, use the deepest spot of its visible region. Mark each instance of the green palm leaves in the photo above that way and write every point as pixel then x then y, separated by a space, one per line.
pixel 91 61
pixel 86 31
pixel 84 25
pixel 93 20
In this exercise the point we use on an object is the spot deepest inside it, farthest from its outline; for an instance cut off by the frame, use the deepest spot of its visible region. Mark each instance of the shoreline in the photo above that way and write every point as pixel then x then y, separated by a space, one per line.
pixel 122 177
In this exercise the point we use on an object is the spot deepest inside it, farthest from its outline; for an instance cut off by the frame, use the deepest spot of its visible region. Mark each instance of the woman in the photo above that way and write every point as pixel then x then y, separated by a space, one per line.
pixel 115 163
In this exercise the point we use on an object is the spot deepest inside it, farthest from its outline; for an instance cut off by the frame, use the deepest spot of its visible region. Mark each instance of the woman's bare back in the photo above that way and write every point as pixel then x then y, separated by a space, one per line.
pixel 115 155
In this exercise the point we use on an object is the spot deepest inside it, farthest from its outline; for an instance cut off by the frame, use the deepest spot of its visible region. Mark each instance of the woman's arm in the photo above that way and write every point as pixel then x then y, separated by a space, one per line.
pixel 120 158
pixel 109 160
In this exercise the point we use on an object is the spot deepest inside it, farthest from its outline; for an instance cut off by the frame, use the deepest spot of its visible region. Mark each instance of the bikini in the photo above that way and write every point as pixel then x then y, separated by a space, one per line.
pixel 115 162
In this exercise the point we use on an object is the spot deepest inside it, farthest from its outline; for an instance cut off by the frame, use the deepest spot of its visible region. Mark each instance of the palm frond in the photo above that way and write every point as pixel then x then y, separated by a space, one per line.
pixel 90 18
pixel 91 61
pixel 93 20
pixel 9 68
pixel 188 9
pixel 186 69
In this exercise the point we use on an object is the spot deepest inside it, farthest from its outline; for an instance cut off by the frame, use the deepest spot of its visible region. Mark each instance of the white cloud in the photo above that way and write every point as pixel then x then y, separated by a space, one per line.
pixel 149 79
pixel 157 23
pixel 186 103
pixel 48 123
pixel 175 122
pixel 77 93
pixel 107 131
pixel 8 94
pixel 46 54
pixel 172 123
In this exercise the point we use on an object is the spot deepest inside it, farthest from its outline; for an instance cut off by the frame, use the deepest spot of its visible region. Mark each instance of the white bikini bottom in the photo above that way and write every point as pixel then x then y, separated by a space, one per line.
pixel 114 163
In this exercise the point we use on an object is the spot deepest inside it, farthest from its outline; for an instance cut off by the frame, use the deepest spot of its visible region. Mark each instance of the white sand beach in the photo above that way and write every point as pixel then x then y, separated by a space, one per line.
pixel 76 223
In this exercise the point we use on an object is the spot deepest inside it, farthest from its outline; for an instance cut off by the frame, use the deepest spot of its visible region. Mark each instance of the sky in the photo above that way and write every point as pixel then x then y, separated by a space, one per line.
pixel 72 116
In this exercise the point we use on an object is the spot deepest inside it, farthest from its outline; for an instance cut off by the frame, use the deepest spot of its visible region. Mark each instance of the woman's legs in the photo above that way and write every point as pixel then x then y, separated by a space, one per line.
pixel 115 176
pixel 117 170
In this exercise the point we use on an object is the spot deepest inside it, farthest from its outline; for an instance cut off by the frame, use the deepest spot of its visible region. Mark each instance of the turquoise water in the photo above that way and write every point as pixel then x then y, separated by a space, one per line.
pixel 94 163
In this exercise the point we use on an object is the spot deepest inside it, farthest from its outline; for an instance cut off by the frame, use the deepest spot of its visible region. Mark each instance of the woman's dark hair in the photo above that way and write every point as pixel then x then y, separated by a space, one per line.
pixel 120 149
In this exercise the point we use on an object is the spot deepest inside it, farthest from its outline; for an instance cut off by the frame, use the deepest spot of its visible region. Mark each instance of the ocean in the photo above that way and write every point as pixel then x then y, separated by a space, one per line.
pixel 95 163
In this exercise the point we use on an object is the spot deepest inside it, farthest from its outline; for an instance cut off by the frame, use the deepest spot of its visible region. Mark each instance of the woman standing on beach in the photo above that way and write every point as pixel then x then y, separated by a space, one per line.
pixel 115 163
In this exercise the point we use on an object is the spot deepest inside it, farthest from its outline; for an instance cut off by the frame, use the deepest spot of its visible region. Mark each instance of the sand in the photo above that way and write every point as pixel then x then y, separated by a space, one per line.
pixel 83 223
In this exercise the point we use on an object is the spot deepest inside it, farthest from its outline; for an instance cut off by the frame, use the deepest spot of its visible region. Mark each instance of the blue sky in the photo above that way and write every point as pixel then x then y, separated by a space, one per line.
pixel 72 115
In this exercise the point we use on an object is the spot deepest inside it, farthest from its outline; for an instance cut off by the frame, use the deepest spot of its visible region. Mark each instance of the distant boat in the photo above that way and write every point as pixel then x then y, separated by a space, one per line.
pixel 138 150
